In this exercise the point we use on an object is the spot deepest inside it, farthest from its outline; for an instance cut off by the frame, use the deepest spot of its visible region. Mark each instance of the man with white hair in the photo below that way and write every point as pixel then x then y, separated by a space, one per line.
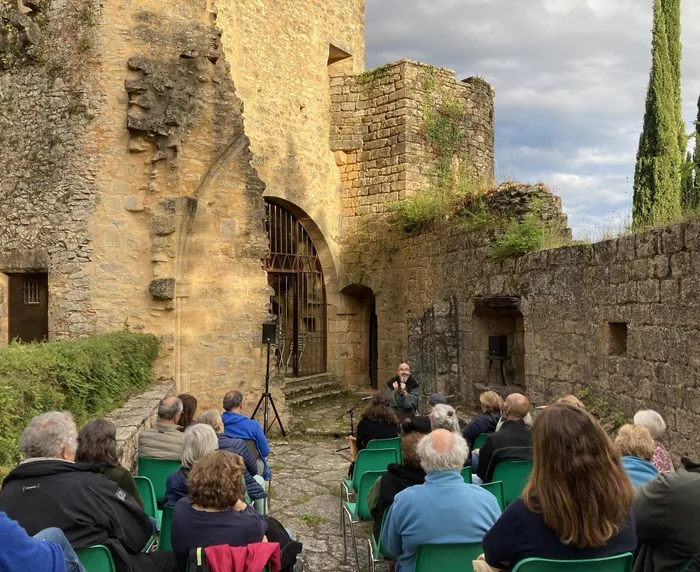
pixel 49 490
pixel 445 510
pixel 164 441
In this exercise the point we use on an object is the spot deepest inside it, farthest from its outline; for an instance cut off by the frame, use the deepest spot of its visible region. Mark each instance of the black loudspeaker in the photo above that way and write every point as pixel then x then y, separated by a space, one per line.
pixel 498 346
pixel 269 333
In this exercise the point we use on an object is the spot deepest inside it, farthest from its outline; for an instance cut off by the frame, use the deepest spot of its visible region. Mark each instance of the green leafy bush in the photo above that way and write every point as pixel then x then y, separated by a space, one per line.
pixel 519 237
pixel 88 377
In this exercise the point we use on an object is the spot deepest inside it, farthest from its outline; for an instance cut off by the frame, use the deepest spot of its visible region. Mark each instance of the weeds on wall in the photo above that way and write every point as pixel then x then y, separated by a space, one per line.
pixel 611 415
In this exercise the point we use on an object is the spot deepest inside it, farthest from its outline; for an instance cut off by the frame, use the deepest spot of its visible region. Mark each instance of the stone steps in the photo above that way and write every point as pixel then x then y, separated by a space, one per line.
pixel 302 391
pixel 315 397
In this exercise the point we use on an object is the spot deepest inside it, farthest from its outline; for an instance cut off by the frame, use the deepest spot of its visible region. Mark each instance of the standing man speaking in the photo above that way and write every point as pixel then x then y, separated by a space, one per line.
pixel 404 393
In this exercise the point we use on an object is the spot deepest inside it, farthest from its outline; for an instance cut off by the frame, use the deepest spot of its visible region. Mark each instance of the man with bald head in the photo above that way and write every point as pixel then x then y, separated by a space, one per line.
pixel 164 441
pixel 444 510
pixel 512 442
pixel 404 393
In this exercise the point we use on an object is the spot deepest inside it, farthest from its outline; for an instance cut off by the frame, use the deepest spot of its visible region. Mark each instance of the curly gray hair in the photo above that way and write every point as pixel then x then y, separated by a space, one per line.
pixel 48 434
pixel 451 460
pixel 444 417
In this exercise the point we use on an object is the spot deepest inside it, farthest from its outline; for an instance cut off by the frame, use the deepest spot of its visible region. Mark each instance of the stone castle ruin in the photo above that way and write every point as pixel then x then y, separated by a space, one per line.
pixel 193 168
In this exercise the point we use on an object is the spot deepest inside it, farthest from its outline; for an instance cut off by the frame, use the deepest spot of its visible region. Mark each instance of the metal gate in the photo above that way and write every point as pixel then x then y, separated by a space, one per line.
pixel 29 307
pixel 299 298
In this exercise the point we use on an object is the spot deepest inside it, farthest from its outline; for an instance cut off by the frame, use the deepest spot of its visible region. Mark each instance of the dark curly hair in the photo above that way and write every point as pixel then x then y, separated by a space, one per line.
pixel 379 410
pixel 189 408
pixel 216 481
pixel 97 443
pixel 409 444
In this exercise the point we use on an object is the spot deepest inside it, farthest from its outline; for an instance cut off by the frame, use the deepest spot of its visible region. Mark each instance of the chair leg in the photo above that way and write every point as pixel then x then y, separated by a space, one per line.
pixel 370 556
pixel 342 531
pixel 354 546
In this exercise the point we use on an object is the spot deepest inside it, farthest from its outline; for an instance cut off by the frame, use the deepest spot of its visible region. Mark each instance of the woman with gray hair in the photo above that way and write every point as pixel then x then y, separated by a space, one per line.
pixel 444 417
pixel 657 427
pixel 199 440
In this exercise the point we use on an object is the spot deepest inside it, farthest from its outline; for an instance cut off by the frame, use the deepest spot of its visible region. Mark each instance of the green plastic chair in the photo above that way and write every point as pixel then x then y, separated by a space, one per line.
pixel 496 489
pixel 514 476
pixel 367 460
pixel 158 471
pixel 376 551
pixel 148 496
pixel 619 563
pixel 480 440
pixel 467 475
pixel 358 511
pixel 96 558
pixel 447 557
pixel 165 541
pixel 394 443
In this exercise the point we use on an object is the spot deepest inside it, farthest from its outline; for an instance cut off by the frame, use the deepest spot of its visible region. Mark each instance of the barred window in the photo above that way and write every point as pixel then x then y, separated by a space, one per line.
pixel 32 292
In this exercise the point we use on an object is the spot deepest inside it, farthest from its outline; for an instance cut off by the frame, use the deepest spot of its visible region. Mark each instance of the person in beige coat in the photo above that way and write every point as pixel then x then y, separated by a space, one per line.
pixel 164 441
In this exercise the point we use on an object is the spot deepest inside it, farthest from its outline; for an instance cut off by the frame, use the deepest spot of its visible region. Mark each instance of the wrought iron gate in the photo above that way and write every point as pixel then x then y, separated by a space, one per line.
pixel 299 298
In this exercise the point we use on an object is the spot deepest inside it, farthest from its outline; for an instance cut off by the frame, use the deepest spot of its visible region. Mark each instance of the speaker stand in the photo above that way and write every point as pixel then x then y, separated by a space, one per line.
pixel 500 367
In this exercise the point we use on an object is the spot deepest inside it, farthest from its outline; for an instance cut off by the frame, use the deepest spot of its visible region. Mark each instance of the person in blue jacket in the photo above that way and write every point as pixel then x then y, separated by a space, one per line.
pixel 47 551
pixel 636 446
pixel 239 426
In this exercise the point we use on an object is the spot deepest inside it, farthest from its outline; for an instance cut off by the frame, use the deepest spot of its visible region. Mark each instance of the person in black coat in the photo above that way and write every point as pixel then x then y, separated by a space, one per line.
pixel 50 490
pixel 404 393
pixel 491 407
pixel 421 423
pixel 378 421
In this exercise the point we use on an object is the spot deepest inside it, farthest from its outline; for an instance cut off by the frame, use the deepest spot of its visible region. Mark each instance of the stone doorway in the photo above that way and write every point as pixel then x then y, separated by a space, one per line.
pixel 28 316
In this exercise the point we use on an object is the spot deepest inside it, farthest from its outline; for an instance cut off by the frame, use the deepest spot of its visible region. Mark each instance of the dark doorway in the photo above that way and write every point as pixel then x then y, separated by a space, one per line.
pixel 373 351
pixel 29 307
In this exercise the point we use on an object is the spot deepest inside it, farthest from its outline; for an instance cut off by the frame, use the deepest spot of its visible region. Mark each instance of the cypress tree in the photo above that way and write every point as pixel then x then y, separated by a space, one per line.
pixel 657 177
pixel 672 18
pixel 688 195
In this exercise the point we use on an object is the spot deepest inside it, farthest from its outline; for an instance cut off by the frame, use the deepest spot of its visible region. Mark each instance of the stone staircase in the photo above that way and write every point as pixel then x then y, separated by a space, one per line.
pixel 301 391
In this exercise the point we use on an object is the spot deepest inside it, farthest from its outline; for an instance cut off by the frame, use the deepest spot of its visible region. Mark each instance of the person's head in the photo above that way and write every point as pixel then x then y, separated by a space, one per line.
pixel 436 399
pixel 491 402
pixel 578 483
pixel 635 441
pixel 233 401
pixel 442 450
pixel 97 443
pixel 571 400
pixel 409 452
pixel 404 370
pixel 170 410
pixel 52 435
pixel 212 418
pixel 517 406
pixel 378 410
pixel 199 440
pixel 444 417
pixel 652 421
pixel 189 409
pixel 216 481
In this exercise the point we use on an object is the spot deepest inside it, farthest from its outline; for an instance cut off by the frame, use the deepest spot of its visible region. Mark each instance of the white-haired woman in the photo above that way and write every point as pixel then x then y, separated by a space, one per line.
pixel 199 440
pixel 444 417
pixel 657 427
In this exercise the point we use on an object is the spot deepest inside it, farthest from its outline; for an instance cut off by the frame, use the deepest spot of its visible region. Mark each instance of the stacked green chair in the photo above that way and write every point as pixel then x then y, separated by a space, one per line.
pixel 447 557
pixel 619 563
pixel 496 489
pixel 467 475
pixel 157 471
pixel 96 558
pixel 393 443
pixel 376 551
pixel 480 440
pixel 148 496
pixel 514 476
pixel 357 511
pixel 165 541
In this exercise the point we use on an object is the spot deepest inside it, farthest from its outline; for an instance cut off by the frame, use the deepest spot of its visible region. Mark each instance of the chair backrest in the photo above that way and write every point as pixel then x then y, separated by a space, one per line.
pixel 480 440
pixel 252 448
pixel 496 489
pixel 467 475
pixel 381 549
pixel 158 471
pixel 372 460
pixel 514 476
pixel 619 563
pixel 366 482
pixel 148 495
pixel 447 557
pixel 96 558
pixel 393 443
pixel 165 542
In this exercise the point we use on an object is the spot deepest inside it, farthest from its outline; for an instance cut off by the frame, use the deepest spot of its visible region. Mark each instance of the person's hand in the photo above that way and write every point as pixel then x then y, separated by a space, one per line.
pixel 396 386
pixel 475 451
pixel 403 388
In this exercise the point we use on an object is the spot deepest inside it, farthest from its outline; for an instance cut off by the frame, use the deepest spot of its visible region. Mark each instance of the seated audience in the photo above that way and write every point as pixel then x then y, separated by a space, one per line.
pixel 49 489
pixel 578 501
pixel 377 421
pixel 199 440
pixel 491 407
pixel 460 512
pixel 47 551
pixel 189 410
pixel 513 442
pixel 510 390
pixel 571 400
pixel 636 448
pixel 214 513
pixel 668 530
pixel 254 483
pixel 444 417
pixel 239 426
pixel 97 443
pixel 657 427
pixel 421 424
pixel 164 441
pixel 404 393
pixel 397 478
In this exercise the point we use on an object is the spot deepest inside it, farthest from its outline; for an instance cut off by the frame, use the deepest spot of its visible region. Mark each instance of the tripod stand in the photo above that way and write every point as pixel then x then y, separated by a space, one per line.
pixel 267 397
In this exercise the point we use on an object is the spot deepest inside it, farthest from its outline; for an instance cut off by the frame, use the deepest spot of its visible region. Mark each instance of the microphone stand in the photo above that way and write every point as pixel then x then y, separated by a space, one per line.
pixel 350 412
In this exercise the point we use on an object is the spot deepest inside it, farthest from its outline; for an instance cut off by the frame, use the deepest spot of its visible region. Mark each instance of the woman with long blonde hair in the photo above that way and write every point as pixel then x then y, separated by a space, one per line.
pixel 578 501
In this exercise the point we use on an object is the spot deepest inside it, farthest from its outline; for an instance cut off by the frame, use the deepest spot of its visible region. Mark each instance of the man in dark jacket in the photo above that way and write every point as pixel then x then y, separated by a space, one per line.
pixel 668 530
pixel 404 393
pixel 49 490
pixel 512 442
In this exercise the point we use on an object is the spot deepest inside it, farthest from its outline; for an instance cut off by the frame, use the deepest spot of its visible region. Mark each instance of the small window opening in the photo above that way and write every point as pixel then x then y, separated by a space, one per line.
pixel 617 344
pixel 339 61
pixel 32 292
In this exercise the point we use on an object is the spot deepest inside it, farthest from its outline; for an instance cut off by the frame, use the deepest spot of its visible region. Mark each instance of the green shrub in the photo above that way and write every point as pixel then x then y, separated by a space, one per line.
pixel 88 377
pixel 519 237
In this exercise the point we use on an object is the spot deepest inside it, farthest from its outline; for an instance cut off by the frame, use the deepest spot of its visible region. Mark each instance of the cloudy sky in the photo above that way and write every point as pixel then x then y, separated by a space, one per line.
pixel 570 79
